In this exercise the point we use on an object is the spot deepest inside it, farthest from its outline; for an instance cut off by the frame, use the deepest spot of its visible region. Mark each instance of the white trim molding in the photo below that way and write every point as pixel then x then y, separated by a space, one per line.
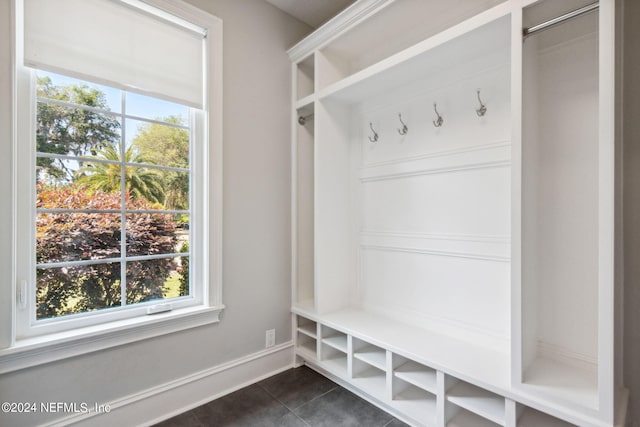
pixel 346 19
pixel 52 347
pixel 172 398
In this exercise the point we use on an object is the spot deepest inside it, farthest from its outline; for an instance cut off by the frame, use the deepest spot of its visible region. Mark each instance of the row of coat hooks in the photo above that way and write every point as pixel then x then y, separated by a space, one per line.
pixel 480 111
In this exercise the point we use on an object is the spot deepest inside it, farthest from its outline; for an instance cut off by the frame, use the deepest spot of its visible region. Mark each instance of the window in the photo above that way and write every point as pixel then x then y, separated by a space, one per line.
pixel 109 163
pixel 118 169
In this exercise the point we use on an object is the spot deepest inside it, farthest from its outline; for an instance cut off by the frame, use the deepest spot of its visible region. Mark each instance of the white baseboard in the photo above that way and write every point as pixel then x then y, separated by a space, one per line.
pixel 172 398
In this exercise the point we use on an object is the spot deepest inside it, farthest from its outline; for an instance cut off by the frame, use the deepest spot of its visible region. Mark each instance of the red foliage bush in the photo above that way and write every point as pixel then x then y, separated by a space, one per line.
pixel 62 237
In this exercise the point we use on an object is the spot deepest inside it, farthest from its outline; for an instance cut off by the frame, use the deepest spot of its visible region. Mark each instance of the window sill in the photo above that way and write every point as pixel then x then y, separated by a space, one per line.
pixel 44 349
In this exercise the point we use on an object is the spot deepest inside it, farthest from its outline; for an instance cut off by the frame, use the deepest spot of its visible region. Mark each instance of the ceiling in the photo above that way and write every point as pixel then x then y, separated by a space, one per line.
pixel 312 12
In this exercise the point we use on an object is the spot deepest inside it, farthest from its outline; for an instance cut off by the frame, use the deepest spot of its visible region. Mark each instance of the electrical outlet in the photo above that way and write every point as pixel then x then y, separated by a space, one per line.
pixel 270 338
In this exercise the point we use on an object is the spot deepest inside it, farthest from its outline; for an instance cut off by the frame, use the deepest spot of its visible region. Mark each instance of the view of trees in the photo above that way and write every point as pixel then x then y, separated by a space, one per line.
pixel 169 146
pixel 78 182
pixel 140 182
pixel 70 131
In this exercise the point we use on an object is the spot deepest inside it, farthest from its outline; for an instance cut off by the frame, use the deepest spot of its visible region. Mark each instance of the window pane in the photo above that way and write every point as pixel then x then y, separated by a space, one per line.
pixel 144 188
pixel 56 172
pixel 77 289
pixel 154 234
pixel 98 189
pixel 177 285
pixel 151 188
pixel 77 236
pixel 67 89
pixel 176 190
pixel 155 109
pixel 74 131
pixel 153 279
pixel 158 144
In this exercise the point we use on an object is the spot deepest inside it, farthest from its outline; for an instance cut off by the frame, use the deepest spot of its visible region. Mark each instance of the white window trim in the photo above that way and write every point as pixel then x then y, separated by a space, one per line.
pixel 21 353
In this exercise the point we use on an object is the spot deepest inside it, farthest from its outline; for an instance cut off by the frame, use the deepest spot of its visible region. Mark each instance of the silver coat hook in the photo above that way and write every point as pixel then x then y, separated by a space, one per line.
pixel 404 129
pixel 483 108
pixel 375 134
pixel 437 123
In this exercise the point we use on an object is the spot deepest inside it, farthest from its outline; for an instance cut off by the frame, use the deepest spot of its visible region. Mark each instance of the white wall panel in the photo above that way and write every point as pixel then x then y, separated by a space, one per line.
pixel 469 201
pixel 465 291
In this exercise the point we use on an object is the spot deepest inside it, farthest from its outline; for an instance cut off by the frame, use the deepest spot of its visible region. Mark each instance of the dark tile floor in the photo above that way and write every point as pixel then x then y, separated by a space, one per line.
pixel 298 397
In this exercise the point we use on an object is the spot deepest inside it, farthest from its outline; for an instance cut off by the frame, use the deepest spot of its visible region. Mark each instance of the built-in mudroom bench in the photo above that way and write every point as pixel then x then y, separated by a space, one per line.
pixel 453 206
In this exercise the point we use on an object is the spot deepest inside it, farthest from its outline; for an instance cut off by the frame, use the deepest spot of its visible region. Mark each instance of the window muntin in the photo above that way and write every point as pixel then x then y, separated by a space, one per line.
pixel 103 173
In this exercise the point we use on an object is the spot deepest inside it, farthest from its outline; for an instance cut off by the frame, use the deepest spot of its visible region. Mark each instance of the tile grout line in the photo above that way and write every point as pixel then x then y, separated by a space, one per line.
pixel 299 406
pixel 301 419
pixel 317 397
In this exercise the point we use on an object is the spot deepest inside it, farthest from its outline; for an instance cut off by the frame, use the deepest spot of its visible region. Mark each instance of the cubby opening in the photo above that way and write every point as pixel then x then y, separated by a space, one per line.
pixel 305 78
pixel 334 338
pixel 463 418
pixel 307 327
pixel 474 399
pixel 307 345
pixel 306 337
pixel 369 378
pixel 560 204
pixel 415 401
pixel 334 348
pixel 529 417
pixel 370 354
pixel 415 373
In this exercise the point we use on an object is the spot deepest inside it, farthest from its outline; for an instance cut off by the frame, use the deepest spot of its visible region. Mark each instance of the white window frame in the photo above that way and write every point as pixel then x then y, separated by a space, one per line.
pixel 32 343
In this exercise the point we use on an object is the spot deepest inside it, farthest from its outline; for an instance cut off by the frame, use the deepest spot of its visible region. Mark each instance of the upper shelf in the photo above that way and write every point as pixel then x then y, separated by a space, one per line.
pixel 369 23
pixel 480 43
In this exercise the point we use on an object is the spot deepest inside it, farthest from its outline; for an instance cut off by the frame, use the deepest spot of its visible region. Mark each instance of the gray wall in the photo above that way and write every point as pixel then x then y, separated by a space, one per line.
pixel 256 225
pixel 631 129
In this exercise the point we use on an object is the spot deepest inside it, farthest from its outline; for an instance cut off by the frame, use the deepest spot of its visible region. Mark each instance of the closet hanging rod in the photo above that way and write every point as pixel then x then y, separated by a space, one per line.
pixel 526 32
pixel 302 120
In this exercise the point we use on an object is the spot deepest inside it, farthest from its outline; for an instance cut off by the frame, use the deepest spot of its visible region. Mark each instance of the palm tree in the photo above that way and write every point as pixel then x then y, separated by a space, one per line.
pixel 140 182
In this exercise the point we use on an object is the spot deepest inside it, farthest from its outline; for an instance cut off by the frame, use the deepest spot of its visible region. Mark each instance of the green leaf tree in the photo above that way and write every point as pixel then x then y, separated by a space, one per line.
pixel 140 182
pixel 168 146
pixel 70 131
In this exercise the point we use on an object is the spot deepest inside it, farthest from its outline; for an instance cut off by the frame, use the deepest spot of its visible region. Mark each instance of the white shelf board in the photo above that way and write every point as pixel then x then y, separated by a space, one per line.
pixel 467 419
pixel 305 102
pixel 478 401
pixel 558 380
pixel 372 355
pixel 307 351
pixel 336 365
pixel 418 405
pixel 532 418
pixel 372 381
pixel 309 330
pixel 419 375
pixel 487 32
pixel 338 341
pixel 487 368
